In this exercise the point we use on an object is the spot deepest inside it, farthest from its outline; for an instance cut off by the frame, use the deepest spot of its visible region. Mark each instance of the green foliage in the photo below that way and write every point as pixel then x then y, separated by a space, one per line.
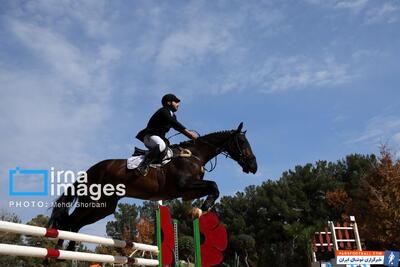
pixel 148 210
pixel 186 247
pixel 126 217
pixel 123 228
pixel 272 224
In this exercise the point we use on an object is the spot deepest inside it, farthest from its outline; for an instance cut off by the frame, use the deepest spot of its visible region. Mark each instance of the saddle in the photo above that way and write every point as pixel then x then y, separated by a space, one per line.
pixel 176 152
pixel 170 153
pixel 139 152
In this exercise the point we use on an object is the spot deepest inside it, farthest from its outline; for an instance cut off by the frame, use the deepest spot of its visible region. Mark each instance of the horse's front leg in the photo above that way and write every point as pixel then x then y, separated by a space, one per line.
pixel 192 189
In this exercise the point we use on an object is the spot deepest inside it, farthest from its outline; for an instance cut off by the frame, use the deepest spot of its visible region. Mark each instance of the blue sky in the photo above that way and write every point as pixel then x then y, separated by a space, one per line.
pixel 310 79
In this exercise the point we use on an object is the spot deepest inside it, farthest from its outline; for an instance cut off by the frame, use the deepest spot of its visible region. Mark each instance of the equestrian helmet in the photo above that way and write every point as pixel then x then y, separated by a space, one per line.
pixel 169 97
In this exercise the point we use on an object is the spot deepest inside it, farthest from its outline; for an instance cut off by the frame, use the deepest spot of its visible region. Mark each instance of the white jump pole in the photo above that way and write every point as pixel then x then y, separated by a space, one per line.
pixel 15 250
pixel 54 233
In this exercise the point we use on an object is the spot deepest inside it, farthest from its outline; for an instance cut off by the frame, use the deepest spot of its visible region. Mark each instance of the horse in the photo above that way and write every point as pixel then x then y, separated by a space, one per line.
pixel 182 178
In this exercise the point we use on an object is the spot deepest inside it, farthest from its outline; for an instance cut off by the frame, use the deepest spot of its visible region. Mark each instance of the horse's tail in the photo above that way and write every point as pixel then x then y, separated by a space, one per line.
pixel 60 213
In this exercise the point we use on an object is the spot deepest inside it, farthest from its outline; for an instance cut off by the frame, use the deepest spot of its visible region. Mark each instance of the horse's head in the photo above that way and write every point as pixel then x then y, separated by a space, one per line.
pixel 239 149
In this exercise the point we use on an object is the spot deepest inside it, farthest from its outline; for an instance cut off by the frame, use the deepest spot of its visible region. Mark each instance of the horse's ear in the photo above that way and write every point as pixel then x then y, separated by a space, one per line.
pixel 239 129
pixel 244 132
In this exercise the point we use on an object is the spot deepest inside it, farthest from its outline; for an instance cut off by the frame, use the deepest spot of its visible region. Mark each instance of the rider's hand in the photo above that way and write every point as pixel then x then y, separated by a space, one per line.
pixel 192 135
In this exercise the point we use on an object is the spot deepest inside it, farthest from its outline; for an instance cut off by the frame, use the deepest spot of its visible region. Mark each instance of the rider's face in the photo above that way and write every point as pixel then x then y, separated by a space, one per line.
pixel 174 105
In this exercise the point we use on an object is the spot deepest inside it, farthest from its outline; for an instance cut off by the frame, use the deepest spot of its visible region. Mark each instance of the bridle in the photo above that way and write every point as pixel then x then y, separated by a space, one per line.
pixel 241 156
pixel 223 149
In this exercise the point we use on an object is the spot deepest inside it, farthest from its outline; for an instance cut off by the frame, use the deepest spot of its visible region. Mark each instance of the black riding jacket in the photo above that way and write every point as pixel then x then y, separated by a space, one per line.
pixel 160 123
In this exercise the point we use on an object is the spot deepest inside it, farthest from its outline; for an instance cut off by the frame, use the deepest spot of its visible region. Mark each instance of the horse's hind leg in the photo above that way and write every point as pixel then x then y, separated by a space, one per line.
pixel 199 188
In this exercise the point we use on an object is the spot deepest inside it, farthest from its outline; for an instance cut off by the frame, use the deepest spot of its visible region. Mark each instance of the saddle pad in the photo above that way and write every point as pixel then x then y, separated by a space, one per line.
pixel 134 162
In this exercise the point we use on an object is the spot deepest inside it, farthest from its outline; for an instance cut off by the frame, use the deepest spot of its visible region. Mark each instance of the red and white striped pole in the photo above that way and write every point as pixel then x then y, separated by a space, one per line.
pixel 59 234
pixel 15 250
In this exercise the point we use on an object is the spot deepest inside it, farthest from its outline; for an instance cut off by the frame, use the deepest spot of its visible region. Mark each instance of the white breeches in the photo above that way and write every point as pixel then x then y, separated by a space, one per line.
pixel 151 141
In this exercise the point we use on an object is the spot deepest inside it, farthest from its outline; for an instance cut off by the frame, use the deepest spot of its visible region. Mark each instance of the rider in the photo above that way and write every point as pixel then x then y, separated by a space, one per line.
pixel 153 136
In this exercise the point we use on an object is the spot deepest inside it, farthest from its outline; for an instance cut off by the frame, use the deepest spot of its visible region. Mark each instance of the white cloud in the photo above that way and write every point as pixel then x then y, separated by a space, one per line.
pixel 108 53
pixel 56 96
pixel 52 48
pixel 192 44
pixel 367 54
pixel 388 12
pixel 396 138
pixel 55 104
pixel 353 5
pixel 380 129
pixel 371 11
pixel 282 74
pixel 300 72
pixel 89 15
pixel 205 33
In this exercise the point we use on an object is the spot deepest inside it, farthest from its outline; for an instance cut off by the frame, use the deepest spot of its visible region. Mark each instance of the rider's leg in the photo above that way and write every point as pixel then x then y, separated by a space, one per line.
pixel 155 141
pixel 156 145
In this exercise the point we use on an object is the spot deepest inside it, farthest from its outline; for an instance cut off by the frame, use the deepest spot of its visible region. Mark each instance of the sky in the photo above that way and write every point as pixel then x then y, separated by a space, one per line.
pixel 311 80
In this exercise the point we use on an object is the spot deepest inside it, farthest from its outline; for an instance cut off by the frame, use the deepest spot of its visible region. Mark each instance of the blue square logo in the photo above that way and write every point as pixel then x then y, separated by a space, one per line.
pixel 36 176
pixel 391 258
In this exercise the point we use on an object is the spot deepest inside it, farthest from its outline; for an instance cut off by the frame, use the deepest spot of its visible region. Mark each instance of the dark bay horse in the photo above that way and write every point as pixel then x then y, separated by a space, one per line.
pixel 181 177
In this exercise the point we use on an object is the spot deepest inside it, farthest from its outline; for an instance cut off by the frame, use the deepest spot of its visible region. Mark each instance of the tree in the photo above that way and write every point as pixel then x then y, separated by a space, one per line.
pixel 10 238
pixel 281 216
pixel 124 227
pixel 381 225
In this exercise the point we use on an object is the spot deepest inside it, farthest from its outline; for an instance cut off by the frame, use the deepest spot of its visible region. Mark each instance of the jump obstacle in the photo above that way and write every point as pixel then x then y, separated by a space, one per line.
pixel 210 242
pixel 163 249
pixel 336 237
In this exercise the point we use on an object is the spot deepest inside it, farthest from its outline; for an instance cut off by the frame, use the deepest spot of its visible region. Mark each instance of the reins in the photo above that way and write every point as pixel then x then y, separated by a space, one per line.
pixel 220 150
pixel 213 166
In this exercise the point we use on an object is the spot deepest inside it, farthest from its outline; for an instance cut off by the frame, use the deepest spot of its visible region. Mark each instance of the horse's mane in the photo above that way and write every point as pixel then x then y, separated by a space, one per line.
pixel 207 137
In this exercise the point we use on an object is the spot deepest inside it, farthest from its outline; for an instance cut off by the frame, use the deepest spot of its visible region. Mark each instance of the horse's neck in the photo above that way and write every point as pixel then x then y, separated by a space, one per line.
pixel 209 146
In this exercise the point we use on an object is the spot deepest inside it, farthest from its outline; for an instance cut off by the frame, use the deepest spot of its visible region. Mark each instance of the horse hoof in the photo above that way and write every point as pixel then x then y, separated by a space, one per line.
pixel 195 213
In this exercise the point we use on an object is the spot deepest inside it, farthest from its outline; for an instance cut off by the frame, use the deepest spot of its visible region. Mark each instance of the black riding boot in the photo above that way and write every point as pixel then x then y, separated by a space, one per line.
pixel 149 158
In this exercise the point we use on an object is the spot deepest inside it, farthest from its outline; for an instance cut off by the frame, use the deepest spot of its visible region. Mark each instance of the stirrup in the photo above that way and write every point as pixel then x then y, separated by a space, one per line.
pixel 143 170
